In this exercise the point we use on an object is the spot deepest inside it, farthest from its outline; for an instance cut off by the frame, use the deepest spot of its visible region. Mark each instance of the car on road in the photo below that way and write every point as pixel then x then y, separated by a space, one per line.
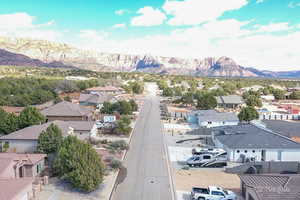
pixel 212 193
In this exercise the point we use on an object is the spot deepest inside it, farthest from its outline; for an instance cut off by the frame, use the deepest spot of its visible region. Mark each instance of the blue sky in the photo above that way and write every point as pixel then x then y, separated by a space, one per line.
pixel 259 33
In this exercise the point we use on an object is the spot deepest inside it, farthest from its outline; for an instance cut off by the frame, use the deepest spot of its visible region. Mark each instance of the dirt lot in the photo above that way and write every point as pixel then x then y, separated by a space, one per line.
pixel 184 180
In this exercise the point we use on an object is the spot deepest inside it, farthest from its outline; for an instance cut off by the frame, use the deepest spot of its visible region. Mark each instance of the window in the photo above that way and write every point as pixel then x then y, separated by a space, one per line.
pixel 253 151
pixel 217 193
pixel 224 122
pixel 245 151
pixel 206 157
pixel 209 122
pixel 238 151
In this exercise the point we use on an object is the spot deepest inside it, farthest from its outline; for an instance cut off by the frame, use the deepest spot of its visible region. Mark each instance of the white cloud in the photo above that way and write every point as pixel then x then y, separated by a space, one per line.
pixel 22 25
pixel 119 26
pixel 121 11
pixel 148 17
pixel 273 27
pixel 194 12
pixel 293 4
pixel 216 38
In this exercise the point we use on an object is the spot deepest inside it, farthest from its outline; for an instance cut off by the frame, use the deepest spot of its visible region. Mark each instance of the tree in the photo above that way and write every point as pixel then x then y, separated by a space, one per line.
pixel 8 122
pixel 167 92
pixel 67 98
pixel 137 88
pixel 30 116
pixel 50 140
pixel 247 114
pixel 295 95
pixel 134 105
pixel 279 94
pixel 206 102
pixel 253 101
pixel 78 163
pixel 188 99
pixel 125 108
pixel 106 108
pixel 123 126
pixel 67 86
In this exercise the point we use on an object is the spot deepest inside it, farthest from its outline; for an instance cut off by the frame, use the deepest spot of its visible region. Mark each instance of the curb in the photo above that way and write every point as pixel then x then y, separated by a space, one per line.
pixel 123 157
pixel 170 170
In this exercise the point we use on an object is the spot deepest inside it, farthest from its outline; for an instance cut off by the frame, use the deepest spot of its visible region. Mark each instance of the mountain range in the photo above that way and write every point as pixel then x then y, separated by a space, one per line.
pixel 29 52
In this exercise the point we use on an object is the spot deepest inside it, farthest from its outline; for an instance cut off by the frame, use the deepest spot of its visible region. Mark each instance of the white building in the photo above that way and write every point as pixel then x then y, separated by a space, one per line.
pixel 212 118
pixel 253 142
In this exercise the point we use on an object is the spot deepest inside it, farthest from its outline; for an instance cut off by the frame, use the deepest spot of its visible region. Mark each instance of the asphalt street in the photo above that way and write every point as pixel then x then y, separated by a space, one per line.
pixel 147 176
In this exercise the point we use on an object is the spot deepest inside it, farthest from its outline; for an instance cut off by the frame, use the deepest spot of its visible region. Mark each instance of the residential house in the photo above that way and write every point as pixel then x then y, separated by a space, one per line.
pixel 94 99
pixel 67 111
pixel 178 113
pixel 106 89
pixel 16 189
pixel 285 128
pixel 270 186
pixel 25 140
pixel 230 101
pixel 212 118
pixel 13 165
pixel 247 141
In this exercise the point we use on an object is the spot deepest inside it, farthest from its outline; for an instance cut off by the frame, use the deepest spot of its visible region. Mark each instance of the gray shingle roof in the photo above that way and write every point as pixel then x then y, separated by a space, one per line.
pixel 65 108
pixel 273 187
pixel 95 98
pixel 214 116
pixel 250 136
pixel 33 132
pixel 289 129
pixel 230 99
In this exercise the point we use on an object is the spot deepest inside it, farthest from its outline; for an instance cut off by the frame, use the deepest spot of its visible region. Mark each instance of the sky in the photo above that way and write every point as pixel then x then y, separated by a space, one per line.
pixel 256 33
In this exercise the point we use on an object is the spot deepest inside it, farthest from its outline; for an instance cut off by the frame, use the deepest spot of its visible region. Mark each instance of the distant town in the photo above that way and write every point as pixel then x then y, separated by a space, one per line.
pixel 79 134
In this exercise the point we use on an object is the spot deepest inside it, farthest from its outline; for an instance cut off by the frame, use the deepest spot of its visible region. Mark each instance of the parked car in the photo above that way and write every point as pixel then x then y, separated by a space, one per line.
pixel 208 160
pixel 212 193
pixel 199 151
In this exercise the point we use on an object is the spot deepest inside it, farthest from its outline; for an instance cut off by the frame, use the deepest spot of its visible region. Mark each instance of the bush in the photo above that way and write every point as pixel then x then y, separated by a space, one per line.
pixel 115 164
pixel 119 145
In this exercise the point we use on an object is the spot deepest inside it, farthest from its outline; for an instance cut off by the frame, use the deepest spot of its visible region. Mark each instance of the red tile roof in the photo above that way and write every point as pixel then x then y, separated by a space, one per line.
pixel 10 188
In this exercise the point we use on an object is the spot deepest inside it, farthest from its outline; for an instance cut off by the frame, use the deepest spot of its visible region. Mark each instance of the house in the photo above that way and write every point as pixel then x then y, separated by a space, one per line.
pixel 270 186
pixel 67 111
pixel 106 89
pixel 177 113
pixel 25 140
pixel 13 165
pixel 285 128
pixel 230 101
pixel 16 189
pixel 247 141
pixel 212 118
pixel 94 99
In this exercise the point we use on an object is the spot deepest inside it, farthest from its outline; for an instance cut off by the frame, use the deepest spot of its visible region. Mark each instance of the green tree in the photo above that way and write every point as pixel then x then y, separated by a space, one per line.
pixel 125 108
pixel 247 114
pixel 253 101
pixel 279 94
pixel 133 104
pixel 137 87
pixel 295 95
pixel 167 92
pixel 67 98
pixel 106 108
pixel 78 163
pixel 188 99
pixel 30 116
pixel 206 102
pixel 8 122
pixel 50 140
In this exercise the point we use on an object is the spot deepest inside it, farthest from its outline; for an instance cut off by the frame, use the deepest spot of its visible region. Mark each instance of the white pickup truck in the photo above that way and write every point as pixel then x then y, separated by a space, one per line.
pixel 212 193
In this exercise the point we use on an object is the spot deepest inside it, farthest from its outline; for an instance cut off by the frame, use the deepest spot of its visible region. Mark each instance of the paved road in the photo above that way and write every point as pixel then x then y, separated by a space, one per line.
pixel 147 173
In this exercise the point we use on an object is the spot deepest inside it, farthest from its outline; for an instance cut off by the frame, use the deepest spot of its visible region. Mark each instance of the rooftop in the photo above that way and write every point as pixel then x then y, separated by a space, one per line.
pixel 95 98
pixel 13 187
pixel 273 187
pixel 105 89
pixel 251 136
pixel 288 129
pixel 230 99
pixel 66 108
pixel 212 115
pixel 33 132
